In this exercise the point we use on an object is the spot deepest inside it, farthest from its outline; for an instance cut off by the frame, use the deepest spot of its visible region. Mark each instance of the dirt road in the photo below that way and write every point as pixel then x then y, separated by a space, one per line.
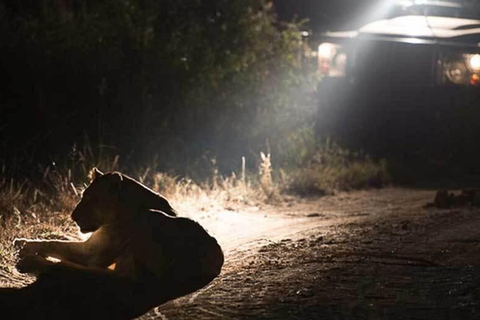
pixel 364 255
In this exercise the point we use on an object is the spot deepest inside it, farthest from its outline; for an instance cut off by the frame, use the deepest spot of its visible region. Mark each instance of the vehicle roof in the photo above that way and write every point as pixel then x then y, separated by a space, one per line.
pixel 423 26
pixel 414 26
pixel 450 4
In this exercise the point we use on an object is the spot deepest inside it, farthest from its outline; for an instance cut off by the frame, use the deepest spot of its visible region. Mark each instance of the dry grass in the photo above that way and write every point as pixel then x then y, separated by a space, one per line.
pixel 24 214
pixel 316 166
pixel 332 169
pixel 42 208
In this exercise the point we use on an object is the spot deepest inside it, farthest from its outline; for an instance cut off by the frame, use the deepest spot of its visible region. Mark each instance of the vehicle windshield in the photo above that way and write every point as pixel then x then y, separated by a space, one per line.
pixel 458 9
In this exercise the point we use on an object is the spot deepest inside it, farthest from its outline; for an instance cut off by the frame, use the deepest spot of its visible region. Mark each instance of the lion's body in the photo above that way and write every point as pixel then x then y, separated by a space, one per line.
pixel 178 246
pixel 157 256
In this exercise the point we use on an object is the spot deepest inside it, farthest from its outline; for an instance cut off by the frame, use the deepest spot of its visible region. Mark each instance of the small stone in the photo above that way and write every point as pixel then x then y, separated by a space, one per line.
pixel 313 215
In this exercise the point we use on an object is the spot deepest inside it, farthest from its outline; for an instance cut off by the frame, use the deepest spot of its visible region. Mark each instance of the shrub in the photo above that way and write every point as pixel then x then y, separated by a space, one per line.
pixel 315 166
pixel 180 79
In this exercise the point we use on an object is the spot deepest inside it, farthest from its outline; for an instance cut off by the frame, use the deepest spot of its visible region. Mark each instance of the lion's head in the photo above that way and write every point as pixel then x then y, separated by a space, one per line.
pixel 100 201
pixel 112 194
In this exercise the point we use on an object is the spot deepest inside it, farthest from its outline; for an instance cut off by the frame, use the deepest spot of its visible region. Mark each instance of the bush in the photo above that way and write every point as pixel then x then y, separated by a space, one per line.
pixel 178 79
pixel 318 166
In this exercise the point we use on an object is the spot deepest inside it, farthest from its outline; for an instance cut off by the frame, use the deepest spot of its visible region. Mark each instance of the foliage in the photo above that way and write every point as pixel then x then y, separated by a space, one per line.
pixel 321 166
pixel 181 79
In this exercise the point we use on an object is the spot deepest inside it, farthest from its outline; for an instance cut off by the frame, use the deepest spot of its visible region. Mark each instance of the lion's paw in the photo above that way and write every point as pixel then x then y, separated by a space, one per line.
pixel 19 243
pixel 32 264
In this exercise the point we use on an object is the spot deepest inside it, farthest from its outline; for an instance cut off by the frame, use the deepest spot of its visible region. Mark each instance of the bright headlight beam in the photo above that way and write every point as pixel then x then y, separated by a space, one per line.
pixel 475 62
pixel 326 50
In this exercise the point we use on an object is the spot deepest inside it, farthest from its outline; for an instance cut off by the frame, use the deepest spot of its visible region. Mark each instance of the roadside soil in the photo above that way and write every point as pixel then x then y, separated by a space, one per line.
pixel 376 254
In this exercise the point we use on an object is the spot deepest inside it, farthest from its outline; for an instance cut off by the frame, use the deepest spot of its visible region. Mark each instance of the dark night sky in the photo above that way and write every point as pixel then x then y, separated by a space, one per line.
pixel 327 14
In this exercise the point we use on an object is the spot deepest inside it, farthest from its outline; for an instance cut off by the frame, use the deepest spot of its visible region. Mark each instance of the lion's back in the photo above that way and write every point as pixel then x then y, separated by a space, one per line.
pixel 186 246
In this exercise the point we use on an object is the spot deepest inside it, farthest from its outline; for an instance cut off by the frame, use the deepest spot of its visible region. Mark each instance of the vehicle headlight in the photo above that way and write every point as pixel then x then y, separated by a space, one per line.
pixel 474 62
pixel 456 71
pixel 463 69
pixel 326 50
pixel 332 60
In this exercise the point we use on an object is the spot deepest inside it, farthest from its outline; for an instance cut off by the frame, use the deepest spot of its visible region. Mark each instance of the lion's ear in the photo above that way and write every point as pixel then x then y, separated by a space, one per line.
pixel 116 176
pixel 94 174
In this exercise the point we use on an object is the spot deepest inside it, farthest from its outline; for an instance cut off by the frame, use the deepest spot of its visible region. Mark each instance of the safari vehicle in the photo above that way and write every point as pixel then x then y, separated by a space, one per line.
pixel 407 84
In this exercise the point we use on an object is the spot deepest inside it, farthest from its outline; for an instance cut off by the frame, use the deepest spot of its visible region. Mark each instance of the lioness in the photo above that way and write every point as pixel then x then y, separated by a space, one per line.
pixel 157 257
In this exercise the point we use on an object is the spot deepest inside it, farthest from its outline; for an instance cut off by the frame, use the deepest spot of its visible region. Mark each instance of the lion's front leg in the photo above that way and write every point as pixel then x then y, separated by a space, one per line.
pixel 30 247
pixel 64 250
pixel 95 252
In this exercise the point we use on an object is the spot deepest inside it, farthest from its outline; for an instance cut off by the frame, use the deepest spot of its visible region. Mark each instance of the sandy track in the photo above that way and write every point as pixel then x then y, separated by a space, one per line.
pixel 364 255
pixel 376 254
